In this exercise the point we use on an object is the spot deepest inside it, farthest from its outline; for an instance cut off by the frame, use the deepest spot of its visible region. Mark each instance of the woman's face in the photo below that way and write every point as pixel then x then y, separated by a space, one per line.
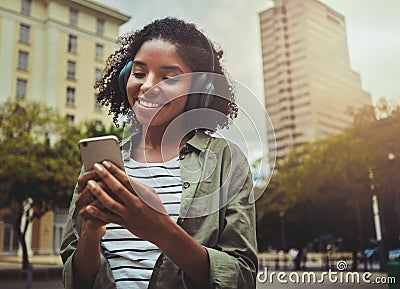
pixel 155 93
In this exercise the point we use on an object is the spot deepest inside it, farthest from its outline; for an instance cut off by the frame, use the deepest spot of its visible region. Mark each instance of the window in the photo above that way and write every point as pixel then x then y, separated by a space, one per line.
pixel 26 7
pixel 100 26
pixel 72 43
pixel 59 220
pixel 71 69
pixel 73 16
pixel 98 73
pixel 10 239
pixel 23 60
pixel 97 105
pixel 58 232
pixel 99 125
pixel 21 88
pixel 24 33
pixel 70 119
pixel 70 99
pixel 99 52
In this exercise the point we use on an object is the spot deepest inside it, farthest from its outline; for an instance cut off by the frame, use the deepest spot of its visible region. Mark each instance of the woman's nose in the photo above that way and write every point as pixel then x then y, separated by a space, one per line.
pixel 149 84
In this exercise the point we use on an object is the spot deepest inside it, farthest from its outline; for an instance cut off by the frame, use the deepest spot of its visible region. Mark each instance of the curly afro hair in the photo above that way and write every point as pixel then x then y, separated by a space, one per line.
pixel 191 46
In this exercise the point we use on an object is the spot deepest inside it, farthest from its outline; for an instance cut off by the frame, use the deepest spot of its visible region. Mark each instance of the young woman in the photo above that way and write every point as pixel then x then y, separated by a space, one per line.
pixel 180 215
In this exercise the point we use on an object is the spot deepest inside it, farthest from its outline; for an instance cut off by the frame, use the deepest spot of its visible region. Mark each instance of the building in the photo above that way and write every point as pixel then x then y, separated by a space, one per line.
pixel 309 85
pixel 52 51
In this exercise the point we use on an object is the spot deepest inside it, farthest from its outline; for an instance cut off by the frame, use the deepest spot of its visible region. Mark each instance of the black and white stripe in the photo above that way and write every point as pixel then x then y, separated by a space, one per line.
pixel 132 259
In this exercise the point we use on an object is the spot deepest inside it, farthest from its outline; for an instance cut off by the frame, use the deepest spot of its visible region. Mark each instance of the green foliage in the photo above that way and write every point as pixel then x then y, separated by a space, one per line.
pixel 92 129
pixel 324 187
pixel 33 164
pixel 39 159
pixel 39 153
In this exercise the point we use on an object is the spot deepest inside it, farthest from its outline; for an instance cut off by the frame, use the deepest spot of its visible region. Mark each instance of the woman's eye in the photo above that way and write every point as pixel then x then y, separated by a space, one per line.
pixel 170 80
pixel 139 74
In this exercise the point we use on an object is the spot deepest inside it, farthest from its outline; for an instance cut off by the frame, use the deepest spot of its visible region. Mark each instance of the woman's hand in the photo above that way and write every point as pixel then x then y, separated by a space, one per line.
pixel 132 204
pixel 141 211
pixel 86 198
pixel 87 255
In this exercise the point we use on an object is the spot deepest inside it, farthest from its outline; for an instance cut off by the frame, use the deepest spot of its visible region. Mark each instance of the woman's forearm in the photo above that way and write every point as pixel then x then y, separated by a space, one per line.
pixel 86 260
pixel 186 253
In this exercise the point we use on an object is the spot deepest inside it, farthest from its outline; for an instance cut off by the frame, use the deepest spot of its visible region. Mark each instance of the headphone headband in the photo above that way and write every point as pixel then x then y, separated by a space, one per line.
pixel 211 52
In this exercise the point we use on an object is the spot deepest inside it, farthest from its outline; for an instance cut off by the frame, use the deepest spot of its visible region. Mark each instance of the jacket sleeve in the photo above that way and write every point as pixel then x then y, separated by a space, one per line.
pixel 234 261
pixel 104 278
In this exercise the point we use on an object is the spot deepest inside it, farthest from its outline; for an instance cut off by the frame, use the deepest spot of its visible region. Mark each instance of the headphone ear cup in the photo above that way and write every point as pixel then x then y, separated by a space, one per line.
pixel 123 78
pixel 203 84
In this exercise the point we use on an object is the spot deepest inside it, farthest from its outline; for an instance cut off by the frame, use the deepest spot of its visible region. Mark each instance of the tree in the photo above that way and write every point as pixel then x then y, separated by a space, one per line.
pixel 324 188
pixel 92 129
pixel 40 162
pixel 33 176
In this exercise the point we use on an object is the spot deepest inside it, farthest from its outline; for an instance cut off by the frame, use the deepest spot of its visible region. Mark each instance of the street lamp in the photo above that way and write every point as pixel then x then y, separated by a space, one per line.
pixel 283 233
pixel 392 160
pixel 378 228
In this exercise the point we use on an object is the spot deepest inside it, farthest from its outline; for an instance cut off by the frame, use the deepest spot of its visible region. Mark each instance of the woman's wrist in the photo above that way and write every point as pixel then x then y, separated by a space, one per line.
pixel 176 244
pixel 164 238
pixel 86 260
pixel 92 234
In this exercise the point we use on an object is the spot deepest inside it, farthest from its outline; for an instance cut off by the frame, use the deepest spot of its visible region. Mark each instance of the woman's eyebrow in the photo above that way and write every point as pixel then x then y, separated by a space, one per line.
pixel 137 62
pixel 172 67
pixel 165 67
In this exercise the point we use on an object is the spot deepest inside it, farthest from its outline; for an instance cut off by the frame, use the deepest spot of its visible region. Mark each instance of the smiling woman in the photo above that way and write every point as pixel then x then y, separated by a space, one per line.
pixel 181 217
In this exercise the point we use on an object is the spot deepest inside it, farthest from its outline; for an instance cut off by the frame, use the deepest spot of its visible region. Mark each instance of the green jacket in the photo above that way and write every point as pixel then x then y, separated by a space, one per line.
pixel 216 210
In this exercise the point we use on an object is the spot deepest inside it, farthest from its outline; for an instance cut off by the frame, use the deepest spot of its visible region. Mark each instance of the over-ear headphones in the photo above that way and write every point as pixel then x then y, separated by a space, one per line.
pixel 123 78
pixel 202 86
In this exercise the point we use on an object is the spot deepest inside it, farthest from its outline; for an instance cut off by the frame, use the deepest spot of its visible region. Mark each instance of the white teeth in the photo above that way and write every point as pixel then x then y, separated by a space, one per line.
pixel 149 104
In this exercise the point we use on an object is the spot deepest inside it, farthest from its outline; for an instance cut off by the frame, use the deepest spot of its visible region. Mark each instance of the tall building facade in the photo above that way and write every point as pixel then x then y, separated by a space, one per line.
pixel 309 85
pixel 52 51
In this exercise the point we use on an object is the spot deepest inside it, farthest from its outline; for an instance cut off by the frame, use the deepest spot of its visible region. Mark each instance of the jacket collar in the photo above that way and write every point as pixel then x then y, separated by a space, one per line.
pixel 199 141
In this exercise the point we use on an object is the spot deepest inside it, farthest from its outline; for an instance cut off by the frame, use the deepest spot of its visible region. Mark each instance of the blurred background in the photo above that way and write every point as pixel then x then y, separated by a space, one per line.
pixel 326 72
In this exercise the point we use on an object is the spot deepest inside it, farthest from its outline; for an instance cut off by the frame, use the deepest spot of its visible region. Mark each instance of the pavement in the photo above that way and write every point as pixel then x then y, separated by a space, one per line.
pixel 44 267
pixel 47 274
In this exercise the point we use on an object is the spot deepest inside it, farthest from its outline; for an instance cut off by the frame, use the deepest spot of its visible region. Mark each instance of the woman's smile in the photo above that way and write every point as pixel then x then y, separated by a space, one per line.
pixel 148 104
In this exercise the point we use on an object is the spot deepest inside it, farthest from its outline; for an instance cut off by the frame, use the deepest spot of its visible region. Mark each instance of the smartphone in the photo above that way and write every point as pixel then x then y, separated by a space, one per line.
pixel 97 149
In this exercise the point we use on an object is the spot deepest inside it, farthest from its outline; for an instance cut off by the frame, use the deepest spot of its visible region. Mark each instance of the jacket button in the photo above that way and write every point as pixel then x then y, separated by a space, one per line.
pixel 186 185
pixel 180 221
pixel 159 263
pixel 181 156
pixel 185 149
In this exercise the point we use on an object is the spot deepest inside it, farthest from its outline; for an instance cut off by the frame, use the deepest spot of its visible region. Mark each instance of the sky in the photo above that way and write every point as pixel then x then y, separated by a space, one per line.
pixel 373 33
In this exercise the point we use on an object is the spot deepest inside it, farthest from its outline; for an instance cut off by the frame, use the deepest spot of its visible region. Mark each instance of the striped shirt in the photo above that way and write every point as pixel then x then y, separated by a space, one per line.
pixel 132 259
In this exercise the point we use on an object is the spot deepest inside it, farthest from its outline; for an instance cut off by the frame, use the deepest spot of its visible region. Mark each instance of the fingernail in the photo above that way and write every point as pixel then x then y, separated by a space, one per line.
pixel 98 167
pixel 91 184
pixel 107 164
pixel 89 209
